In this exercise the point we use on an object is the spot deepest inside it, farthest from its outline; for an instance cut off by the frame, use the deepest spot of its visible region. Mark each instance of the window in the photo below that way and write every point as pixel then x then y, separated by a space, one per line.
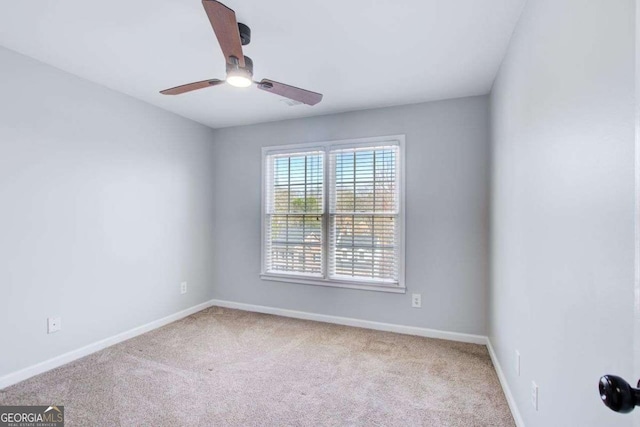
pixel 295 213
pixel 333 214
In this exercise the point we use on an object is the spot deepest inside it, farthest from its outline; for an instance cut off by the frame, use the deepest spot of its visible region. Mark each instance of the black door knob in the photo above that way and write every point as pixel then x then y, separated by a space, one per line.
pixel 618 395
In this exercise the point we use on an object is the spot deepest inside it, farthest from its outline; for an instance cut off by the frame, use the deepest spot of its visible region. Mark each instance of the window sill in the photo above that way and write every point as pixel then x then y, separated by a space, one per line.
pixel 303 280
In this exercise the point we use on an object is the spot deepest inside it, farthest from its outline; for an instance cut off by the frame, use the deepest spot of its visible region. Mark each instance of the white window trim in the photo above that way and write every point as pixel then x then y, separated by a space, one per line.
pixel 326 146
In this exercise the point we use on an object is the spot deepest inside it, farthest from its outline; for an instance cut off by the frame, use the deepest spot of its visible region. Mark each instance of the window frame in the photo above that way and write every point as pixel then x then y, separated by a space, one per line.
pixel 326 147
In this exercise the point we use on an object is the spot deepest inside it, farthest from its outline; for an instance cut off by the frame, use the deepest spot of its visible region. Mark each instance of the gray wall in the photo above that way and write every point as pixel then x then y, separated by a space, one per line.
pixel 106 206
pixel 447 154
pixel 563 208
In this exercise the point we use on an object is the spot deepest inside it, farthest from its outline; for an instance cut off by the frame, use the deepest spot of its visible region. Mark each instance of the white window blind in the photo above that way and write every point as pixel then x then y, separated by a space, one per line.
pixel 295 213
pixel 333 214
pixel 364 209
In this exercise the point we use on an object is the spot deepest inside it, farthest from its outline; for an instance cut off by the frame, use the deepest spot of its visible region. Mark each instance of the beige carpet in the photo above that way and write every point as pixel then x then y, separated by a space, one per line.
pixel 224 367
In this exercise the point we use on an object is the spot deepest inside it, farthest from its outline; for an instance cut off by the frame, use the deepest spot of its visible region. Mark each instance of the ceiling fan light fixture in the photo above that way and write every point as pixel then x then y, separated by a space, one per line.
pixel 239 78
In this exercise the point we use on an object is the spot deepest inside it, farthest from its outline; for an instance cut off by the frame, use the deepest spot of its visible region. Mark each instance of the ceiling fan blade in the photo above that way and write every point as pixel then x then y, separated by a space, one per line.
pixel 223 21
pixel 291 92
pixel 191 86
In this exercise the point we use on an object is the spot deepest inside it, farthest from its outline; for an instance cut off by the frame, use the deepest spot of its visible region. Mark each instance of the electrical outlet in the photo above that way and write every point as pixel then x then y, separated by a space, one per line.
pixel 183 287
pixel 518 362
pixel 54 324
pixel 534 395
pixel 416 300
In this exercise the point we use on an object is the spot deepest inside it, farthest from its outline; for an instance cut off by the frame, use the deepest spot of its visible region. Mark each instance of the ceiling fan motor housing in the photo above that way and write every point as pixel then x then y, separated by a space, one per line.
pixel 245 34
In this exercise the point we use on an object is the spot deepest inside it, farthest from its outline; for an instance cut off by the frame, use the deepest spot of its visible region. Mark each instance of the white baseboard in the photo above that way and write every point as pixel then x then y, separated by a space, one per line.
pixel 358 323
pixel 505 386
pixel 23 374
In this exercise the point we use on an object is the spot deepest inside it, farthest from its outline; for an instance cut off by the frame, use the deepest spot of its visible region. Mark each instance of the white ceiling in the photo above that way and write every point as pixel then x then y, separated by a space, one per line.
pixel 359 53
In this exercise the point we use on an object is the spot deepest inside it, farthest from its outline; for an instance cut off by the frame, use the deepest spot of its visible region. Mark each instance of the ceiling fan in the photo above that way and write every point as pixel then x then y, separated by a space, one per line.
pixel 232 36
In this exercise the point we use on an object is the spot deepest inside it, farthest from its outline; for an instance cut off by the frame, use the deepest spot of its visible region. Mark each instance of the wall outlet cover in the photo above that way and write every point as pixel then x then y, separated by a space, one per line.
pixel 183 287
pixel 416 300
pixel 54 324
